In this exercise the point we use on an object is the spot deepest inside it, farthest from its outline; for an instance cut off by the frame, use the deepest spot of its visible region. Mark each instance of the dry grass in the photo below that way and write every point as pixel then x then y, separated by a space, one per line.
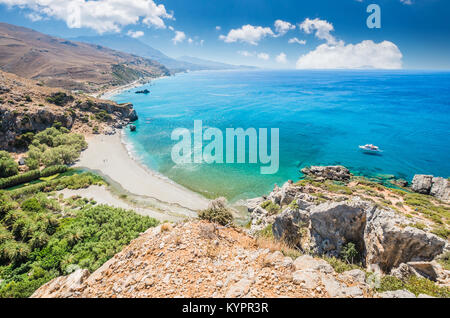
pixel 166 227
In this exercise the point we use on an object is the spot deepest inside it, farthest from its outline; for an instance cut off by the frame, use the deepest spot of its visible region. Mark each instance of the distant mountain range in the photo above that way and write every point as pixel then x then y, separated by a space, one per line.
pixel 134 46
pixel 72 65
pixel 91 63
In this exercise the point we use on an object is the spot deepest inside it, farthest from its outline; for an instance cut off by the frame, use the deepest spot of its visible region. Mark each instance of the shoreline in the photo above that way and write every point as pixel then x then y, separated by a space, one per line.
pixel 109 156
pixel 110 92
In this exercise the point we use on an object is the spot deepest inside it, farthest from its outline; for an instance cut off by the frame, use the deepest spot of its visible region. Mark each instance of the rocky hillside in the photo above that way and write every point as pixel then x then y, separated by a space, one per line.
pixel 71 65
pixel 330 235
pixel 28 107
pixel 390 232
pixel 200 259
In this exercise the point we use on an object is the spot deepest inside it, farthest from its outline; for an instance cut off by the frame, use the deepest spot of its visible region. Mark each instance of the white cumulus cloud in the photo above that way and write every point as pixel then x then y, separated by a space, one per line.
pixel 34 17
pixel 246 53
pixel 263 56
pixel 321 28
pixel 281 58
pixel 135 34
pixel 367 54
pixel 282 27
pixel 247 34
pixel 179 37
pixel 296 40
pixel 101 15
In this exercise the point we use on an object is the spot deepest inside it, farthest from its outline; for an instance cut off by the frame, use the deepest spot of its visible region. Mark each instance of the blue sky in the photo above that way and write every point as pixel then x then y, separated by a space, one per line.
pixel 415 34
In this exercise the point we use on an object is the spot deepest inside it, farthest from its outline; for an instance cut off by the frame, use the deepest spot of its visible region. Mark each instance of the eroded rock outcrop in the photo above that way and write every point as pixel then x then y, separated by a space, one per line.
pixel 384 238
pixel 390 241
pixel 337 173
pixel 435 186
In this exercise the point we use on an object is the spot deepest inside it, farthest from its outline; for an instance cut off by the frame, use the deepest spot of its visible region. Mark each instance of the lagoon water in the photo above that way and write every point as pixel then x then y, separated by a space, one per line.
pixel 322 115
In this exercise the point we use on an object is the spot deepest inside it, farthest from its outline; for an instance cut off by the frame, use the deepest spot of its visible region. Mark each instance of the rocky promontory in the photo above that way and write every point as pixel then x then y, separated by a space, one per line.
pixel 392 232
pixel 28 107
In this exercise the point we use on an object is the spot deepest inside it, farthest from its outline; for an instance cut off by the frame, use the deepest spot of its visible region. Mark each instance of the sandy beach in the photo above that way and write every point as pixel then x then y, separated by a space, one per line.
pixel 108 156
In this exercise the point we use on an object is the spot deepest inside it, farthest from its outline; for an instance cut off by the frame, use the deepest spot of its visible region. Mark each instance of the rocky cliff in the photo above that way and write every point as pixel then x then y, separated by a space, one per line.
pixel 392 230
pixel 26 106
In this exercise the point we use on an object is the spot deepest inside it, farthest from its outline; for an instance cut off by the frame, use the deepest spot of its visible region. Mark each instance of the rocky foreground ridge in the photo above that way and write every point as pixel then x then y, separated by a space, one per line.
pixel 26 106
pixel 286 250
pixel 201 259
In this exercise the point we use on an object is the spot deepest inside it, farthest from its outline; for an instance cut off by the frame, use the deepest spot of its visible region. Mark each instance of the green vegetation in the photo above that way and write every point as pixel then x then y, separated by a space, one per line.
pixel 43 236
pixel 55 147
pixel 8 167
pixel 217 213
pixel 266 232
pixel 437 213
pixel 103 116
pixel 349 253
pixel 60 98
pixel 441 231
pixel 24 140
pixel 341 266
pixel 416 285
pixel 271 207
pixel 31 175
pixel 444 260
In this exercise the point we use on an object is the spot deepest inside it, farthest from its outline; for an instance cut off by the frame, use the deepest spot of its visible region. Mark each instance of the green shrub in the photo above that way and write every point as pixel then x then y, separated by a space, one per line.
pixel 12 251
pixel 444 260
pixel 60 98
pixel 388 283
pixel 8 167
pixel 50 171
pixel 217 213
pixel 266 232
pixel 24 140
pixel 350 253
pixel 416 285
pixel 103 116
pixel 32 164
pixel 32 205
pixel 419 285
pixel 271 207
pixel 339 265
pixel 19 179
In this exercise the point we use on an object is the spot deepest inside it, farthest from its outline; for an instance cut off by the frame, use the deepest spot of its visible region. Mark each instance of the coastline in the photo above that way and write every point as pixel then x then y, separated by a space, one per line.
pixel 109 156
pixel 110 92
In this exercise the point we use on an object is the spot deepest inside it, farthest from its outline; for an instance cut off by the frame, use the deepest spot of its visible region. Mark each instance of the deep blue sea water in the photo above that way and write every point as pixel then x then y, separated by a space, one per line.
pixel 322 115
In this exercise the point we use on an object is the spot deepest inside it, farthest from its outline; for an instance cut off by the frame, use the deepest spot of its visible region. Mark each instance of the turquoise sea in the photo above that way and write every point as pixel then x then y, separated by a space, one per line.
pixel 322 115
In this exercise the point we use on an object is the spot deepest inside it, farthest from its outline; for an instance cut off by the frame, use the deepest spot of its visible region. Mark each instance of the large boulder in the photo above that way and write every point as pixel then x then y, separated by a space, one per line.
pixel 284 195
pixel 422 183
pixel 384 238
pixel 292 227
pixel 337 223
pixel 440 189
pixel 430 270
pixel 337 173
pixel 389 241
